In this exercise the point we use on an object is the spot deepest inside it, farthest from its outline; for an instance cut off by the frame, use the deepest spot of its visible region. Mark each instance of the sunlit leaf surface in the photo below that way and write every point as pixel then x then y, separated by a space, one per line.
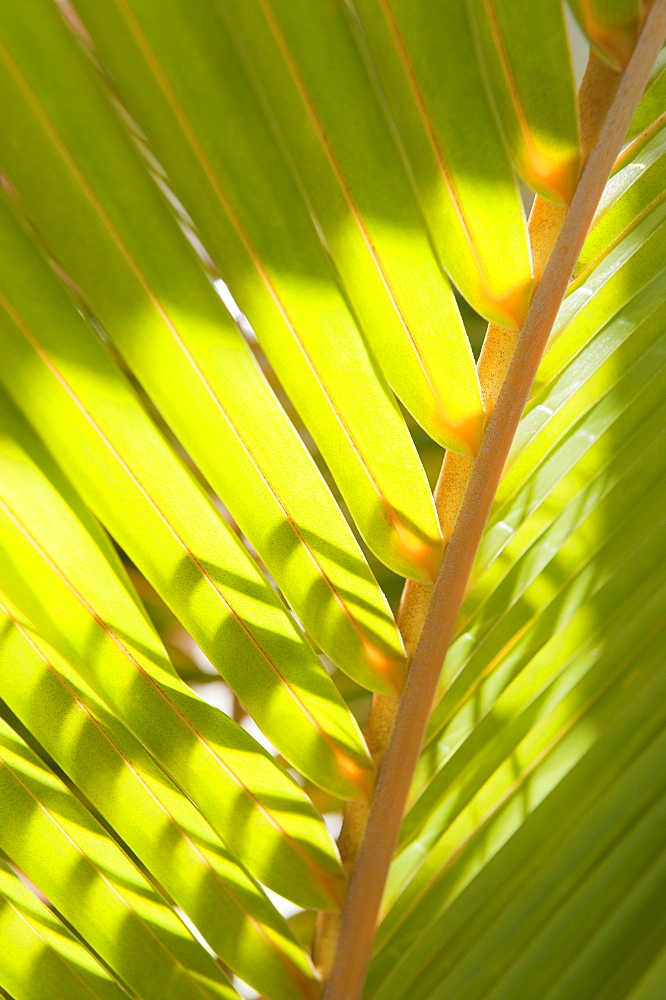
pixel 238 239
pixel 539 790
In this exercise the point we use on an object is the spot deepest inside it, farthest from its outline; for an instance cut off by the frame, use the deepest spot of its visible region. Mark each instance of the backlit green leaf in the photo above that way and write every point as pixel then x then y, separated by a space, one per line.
pixel 653 102
pixel 248 449
pixel 530 861
pixel 424 54
pixel 526 54
pixel 52 569
pixel 635 191
pixel 62 849
pixel 612 26
pixel 62 375
pixel 148 812
pixel 353 174
pixel 103 217
pixel 40 958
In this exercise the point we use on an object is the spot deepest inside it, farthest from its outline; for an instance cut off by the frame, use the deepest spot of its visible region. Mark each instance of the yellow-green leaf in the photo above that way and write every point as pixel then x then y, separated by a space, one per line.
pixel 241 437
pixel 612 26
pixel 102 217
pixel 305 65
pixel 41 959
pixel 428 63
pixel 526 53
pixel 67 854
pixel 160 825
pixel 653 102
pixel 70 388
pixel 635 191
pixel 59 570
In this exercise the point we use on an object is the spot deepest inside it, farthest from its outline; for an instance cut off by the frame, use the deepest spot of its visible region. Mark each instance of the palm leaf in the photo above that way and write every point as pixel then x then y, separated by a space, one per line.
pixel 61 573
pixel 653 102
pixel 635 193
pixel 42 957
pixel 612 26
pixel 144 808
pixel 230 234
pixel 556 667
pixel 422 54
pixel 221 590
pixel 54 839
pixel 540 124
pixel 349 410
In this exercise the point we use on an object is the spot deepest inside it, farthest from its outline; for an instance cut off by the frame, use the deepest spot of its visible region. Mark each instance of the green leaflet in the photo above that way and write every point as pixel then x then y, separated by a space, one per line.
pixel 307 68
pixel 590 440
pixel 175 334
pixel 61 374
pixel 619 387
pixel 653 101
pixel 150 815
pixel 559 682
pixel 162 314
pixel 588 845
pixel 427 60
pixel 631 918
pixel 504 755
pixel 521 705
pixel 637 264
pixel 52 569
pixel 576 449
pixel 40 958
pixel 266 477
pixel 652 982
pixel 495 632
pixel 635 190
pixel 611 26
pixel 509 636
pixel 518 874
pixel 578 481
pixel 526 54
pixel 531 861
pixel 65 852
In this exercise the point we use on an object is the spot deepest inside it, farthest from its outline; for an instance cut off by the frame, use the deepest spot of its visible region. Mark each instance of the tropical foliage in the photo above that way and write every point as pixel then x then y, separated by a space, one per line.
pixel 246 247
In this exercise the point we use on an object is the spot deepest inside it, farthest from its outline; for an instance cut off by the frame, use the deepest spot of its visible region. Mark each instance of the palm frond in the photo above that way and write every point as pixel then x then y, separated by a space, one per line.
pixel 41 954
pixel 60 571
pixel 163 315
pixel 235 238
pixel 90 881
pixel 555 675
pixel 162 828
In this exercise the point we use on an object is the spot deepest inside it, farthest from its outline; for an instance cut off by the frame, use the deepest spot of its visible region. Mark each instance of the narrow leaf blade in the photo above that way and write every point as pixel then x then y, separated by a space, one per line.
pixel 62 376
pixel 53 571
pixel 167 321
pixel 612 26
pixel 305 64
pixel 530 78
pixel 47 833
pixel 150 815
pixel 39 957
pixel 424 55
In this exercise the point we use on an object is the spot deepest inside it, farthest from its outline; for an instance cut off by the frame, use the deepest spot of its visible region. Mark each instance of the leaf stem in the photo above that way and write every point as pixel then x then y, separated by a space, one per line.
pixel 595 97
pixel 359 917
